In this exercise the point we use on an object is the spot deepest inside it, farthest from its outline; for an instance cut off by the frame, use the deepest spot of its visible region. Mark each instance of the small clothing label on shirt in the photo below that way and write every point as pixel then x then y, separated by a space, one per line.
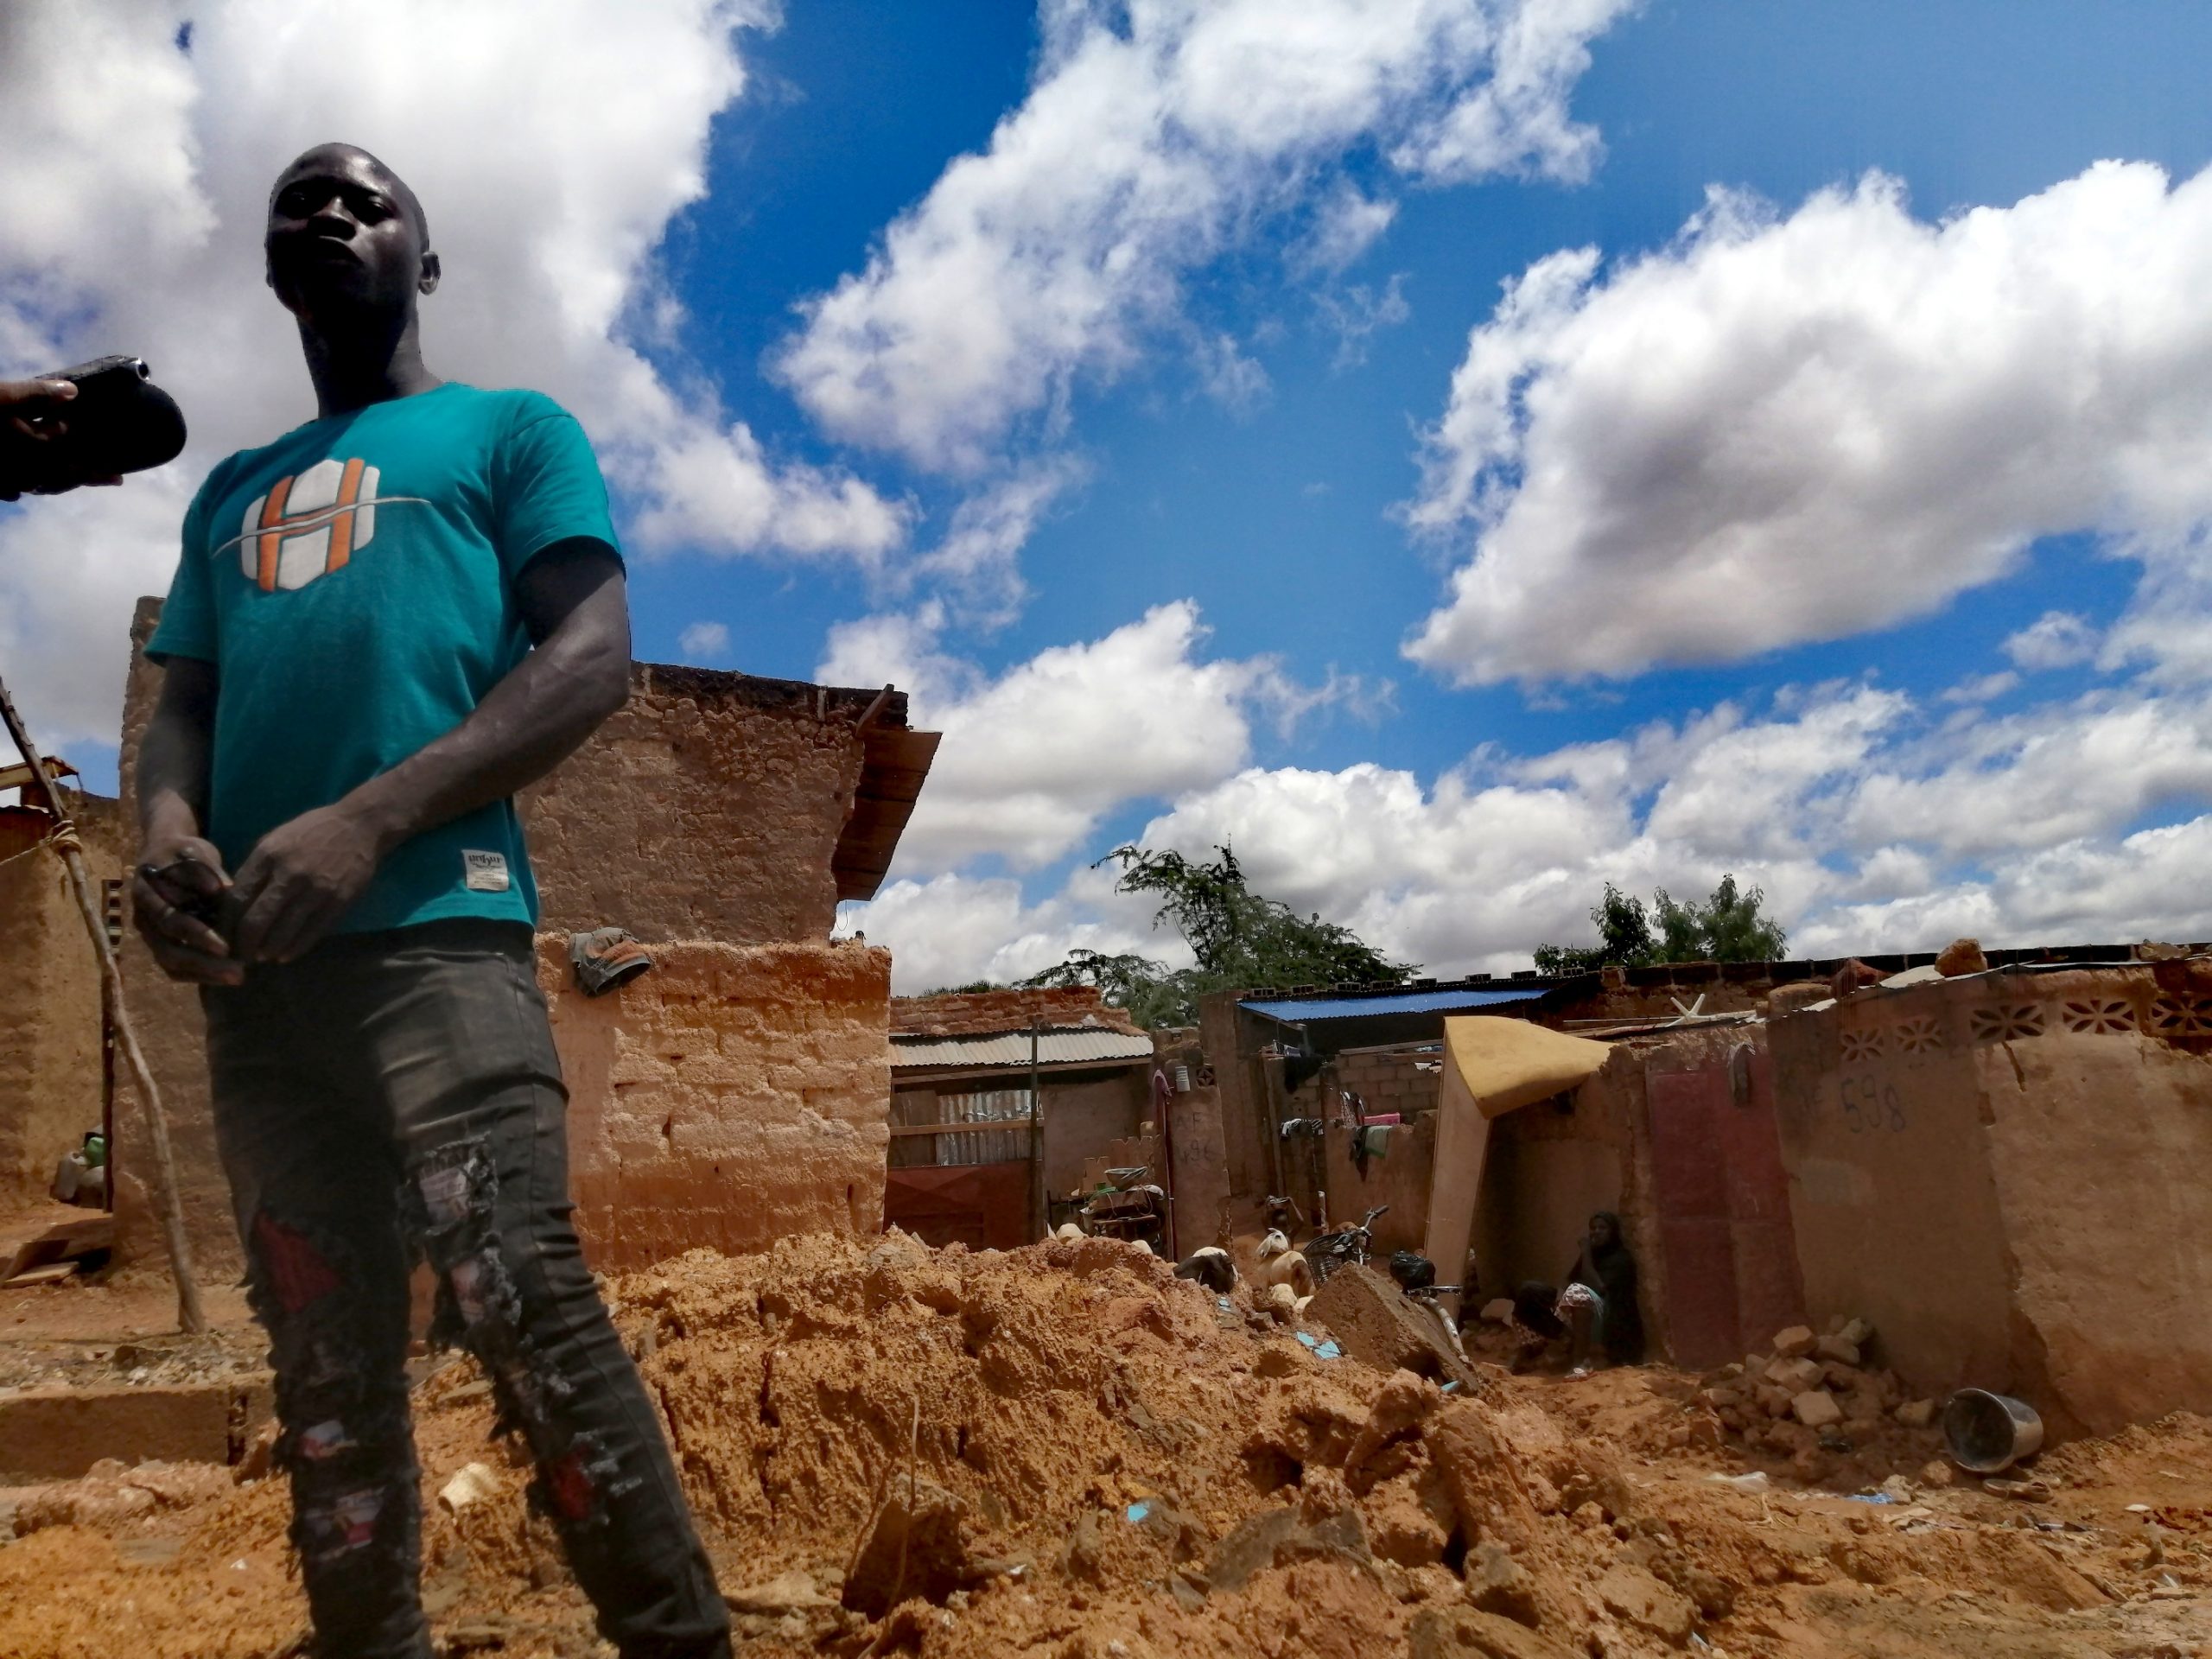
pixel 487 872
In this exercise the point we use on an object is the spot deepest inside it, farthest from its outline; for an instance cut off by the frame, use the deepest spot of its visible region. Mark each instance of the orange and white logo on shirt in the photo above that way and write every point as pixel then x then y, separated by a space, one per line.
pixel 309 524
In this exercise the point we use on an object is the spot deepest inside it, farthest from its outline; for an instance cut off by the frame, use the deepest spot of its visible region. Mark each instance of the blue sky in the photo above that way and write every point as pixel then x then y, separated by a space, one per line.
pixel 1872 574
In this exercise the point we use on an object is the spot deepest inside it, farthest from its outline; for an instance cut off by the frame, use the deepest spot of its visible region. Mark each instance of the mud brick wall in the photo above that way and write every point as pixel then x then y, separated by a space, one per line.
pixel 2000 1172
pixel 1399 1178
pixel 1404 1081
pixel 708 808
pixel 733 1094
pixel 49 1026
pixel 973 1013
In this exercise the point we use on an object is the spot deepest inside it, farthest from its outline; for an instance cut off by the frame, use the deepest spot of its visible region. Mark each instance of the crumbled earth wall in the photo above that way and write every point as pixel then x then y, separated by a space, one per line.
pixel 730 1096
pixel 1062 1451
pixel 49 1026
pixel 1399 1178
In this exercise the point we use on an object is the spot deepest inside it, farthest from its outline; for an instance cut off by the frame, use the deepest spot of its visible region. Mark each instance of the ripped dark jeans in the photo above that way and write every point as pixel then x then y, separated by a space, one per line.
pixel 398 1094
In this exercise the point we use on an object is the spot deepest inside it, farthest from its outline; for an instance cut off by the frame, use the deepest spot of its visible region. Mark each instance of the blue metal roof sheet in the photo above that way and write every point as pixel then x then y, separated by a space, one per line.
pixel 1297 1010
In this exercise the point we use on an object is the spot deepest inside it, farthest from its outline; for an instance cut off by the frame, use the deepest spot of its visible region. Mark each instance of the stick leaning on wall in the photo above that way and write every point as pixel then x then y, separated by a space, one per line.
pixel 191 1317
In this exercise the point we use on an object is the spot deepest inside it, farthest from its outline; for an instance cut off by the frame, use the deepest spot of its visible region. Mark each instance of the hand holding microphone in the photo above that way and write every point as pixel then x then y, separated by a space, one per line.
pixel 90 425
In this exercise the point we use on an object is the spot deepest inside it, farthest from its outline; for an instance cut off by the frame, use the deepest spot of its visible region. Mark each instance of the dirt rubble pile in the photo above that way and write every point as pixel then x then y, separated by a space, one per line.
pixel 1065 1451
pixel 1818 1399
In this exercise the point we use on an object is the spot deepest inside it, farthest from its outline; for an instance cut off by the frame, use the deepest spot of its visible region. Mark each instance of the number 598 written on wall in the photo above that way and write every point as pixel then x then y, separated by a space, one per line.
pixel 1870 1105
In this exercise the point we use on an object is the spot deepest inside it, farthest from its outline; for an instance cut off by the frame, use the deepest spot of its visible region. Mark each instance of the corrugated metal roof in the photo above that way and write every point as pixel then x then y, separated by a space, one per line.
pixel 1011 1048
pixel 1297 1010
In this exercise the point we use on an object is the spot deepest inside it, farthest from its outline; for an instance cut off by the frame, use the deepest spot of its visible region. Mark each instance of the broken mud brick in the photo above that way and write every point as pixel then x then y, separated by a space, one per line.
pixel 1376 1325
pixel 1636 1597
pixel 1816 1408
pixel 1795 1375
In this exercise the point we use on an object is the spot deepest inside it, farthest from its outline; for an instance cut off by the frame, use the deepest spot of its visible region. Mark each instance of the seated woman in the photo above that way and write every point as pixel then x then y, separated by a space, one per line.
pixel 1597 1308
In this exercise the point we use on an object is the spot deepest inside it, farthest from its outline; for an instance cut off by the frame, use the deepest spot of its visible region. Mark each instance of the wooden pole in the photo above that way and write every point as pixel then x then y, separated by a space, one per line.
pixel 191 1318
pixel 1040 1209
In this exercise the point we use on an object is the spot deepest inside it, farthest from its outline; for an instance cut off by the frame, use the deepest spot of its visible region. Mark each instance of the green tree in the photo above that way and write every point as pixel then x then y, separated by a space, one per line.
pixel 1623 936
pixel 1735 932
pixel 1726 927
pixel 1241 939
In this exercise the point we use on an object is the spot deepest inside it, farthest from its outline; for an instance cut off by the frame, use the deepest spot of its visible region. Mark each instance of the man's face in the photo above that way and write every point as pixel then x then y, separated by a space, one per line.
pixel 341 239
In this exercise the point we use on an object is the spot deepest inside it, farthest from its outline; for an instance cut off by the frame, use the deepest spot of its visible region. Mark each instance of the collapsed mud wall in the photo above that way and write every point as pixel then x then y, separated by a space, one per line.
pixel 1994 1171
pixel 49 1026
pixel 733 1095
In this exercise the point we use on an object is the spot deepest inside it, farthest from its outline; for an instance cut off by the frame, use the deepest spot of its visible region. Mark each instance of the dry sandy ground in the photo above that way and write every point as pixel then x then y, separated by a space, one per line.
pixel 1090 1459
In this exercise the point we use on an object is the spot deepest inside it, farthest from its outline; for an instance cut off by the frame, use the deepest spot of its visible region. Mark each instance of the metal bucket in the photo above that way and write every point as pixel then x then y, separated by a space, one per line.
pixel 1986 1432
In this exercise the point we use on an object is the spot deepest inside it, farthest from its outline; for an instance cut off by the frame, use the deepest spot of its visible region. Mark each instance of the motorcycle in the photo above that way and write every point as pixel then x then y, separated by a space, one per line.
pixel 1344 1247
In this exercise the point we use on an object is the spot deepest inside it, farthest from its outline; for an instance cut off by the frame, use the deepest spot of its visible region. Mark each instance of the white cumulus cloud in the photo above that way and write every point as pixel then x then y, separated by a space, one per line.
pixel 551 143
pixel 2055 639
pixel 1155 134
pixel 1035 758
pixel 952 930
pixel 1870 825
pixel 704 641
pixel 1783 427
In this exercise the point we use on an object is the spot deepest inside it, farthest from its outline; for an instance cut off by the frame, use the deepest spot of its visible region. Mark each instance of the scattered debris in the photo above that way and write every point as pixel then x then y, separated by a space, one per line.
pixel 473 1484
pixel 1961 957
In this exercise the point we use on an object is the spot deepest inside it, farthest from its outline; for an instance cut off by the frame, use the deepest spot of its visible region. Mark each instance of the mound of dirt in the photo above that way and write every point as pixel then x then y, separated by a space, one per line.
pixel 1065 1451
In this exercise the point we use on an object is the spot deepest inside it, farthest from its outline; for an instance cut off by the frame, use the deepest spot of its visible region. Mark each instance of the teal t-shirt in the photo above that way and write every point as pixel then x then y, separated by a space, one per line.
pixel 353 583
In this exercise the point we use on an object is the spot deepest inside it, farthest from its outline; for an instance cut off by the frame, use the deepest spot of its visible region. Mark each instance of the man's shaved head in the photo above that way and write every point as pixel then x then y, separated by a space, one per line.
pixel 347 243
pixel 402 192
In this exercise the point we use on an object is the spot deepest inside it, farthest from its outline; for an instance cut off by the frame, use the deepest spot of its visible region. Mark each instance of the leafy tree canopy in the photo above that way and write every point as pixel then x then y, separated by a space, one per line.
pixel 1241 938
pixel 1726 927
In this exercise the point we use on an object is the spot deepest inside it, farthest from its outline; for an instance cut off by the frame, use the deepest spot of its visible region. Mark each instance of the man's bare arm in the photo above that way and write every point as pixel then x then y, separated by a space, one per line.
pixel 303 875
pixel 177 865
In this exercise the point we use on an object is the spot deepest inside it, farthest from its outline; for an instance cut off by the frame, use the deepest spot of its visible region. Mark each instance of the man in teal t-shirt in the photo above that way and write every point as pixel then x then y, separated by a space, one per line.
pixel 383 624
